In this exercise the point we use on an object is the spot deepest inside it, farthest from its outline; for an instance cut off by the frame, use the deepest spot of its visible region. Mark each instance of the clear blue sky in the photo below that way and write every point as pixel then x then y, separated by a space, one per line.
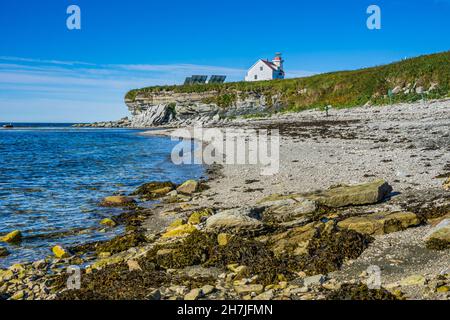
pixel 49 73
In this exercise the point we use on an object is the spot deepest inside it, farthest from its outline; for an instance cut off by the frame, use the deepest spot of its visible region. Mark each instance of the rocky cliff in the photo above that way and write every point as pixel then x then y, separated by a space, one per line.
pixel 168 108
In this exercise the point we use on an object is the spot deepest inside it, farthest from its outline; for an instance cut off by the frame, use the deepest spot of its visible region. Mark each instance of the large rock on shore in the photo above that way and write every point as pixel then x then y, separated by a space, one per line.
pixel 12 237
pixel 189 187
pixel 60 252
pixel 360 194
pixel 117 201
pixel 294 241
pixel 380 223
pixel 154 189
pixel 235 220
pixel 439 237
pixel 290 211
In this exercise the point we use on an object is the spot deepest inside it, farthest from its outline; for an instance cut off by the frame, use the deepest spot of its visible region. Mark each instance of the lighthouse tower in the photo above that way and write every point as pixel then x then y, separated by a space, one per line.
pixel 278 61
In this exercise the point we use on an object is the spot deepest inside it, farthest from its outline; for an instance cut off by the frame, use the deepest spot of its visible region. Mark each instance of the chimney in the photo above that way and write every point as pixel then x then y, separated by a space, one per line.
pixel 278 61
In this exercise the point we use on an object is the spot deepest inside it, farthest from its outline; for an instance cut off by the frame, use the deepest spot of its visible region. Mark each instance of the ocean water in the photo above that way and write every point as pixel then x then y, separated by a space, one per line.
pixel 52 178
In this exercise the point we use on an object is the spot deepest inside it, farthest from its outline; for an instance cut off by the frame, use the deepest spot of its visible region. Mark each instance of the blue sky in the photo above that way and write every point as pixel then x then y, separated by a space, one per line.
pixel 49 73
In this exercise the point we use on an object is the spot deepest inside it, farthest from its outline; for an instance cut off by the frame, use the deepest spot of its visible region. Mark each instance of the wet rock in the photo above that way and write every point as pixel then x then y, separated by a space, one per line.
pixel 207 289
pixel 12 237
pixel 443 289
pixel 380 223
pixel 439 237
pixel 3 252
pixel 197 216
pixel 188 187
pixel 249 289
pixel 154 295
pixel 19 295
pixel 108 222
pixel 117 201
pixel 360 194
pixel 182 230
pixel 154 189
pixel 239 219
pixel 6 275
pixel 268 295
pixel 194 294
pixel 60 252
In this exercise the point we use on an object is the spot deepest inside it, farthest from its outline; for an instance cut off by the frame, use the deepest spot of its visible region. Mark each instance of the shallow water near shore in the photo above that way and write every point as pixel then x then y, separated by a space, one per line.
pixel 52 178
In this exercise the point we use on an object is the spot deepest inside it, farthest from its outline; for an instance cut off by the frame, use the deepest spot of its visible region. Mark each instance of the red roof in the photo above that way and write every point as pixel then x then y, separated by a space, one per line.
pixel 270 64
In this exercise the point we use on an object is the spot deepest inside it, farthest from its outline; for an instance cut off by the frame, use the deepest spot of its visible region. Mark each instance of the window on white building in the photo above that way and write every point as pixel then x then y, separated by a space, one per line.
pixel 261 68
pixel 256 77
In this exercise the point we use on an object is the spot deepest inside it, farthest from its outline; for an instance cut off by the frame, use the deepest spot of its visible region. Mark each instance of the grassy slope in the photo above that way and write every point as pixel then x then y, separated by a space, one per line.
pixel 339 89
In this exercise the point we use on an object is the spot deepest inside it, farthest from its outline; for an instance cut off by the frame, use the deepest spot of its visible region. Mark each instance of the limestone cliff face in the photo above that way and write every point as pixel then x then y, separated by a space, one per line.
pixel 176 109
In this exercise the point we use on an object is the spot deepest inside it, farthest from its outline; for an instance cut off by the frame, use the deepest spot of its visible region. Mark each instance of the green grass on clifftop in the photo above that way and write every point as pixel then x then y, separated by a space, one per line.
pixel 339 89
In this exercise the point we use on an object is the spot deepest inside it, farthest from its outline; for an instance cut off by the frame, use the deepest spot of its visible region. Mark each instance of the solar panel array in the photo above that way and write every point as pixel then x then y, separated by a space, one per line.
pixel 200 79
pixel 217 79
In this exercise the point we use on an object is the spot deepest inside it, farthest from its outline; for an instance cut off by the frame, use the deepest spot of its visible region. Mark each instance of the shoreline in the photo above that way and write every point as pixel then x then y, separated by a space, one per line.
pixel 352 146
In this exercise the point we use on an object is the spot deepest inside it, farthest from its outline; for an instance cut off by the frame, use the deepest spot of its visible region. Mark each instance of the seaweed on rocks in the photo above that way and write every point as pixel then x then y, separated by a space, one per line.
pixel 117 282
pixel 154 189
pixel 115 245
pixel 360 291
pixel 437 244
pixel 327 251
pixel 194 249
pixel 202 249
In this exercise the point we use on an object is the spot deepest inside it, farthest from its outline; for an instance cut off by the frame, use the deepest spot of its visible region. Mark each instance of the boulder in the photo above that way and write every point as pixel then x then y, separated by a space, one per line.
pixel 179 231
pixel 197 216
pixel 239 219
pixel 188 187
pixel 154 189
pixel 439 237
pixel 60 252
pixel 360 194
pixel 207 289
pixel 380 223
pixel 117 201
pixel 12 237
pixel 249 288
pixel 295 241
pixel 108 222
pixel 298 210
pixel 194 294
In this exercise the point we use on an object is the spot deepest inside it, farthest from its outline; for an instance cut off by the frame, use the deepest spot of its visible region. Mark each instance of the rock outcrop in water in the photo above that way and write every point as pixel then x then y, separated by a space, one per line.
pixel 178 109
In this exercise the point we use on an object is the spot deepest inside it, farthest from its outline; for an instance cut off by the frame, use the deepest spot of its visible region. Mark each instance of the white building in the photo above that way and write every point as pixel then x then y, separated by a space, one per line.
pixel 266 70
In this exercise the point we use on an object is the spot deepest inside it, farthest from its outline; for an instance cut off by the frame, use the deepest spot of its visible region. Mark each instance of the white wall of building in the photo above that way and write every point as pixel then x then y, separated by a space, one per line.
pixel 260 71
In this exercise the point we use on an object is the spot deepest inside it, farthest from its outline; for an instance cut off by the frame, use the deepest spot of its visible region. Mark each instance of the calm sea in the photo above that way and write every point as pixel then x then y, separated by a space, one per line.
pixel 52 177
